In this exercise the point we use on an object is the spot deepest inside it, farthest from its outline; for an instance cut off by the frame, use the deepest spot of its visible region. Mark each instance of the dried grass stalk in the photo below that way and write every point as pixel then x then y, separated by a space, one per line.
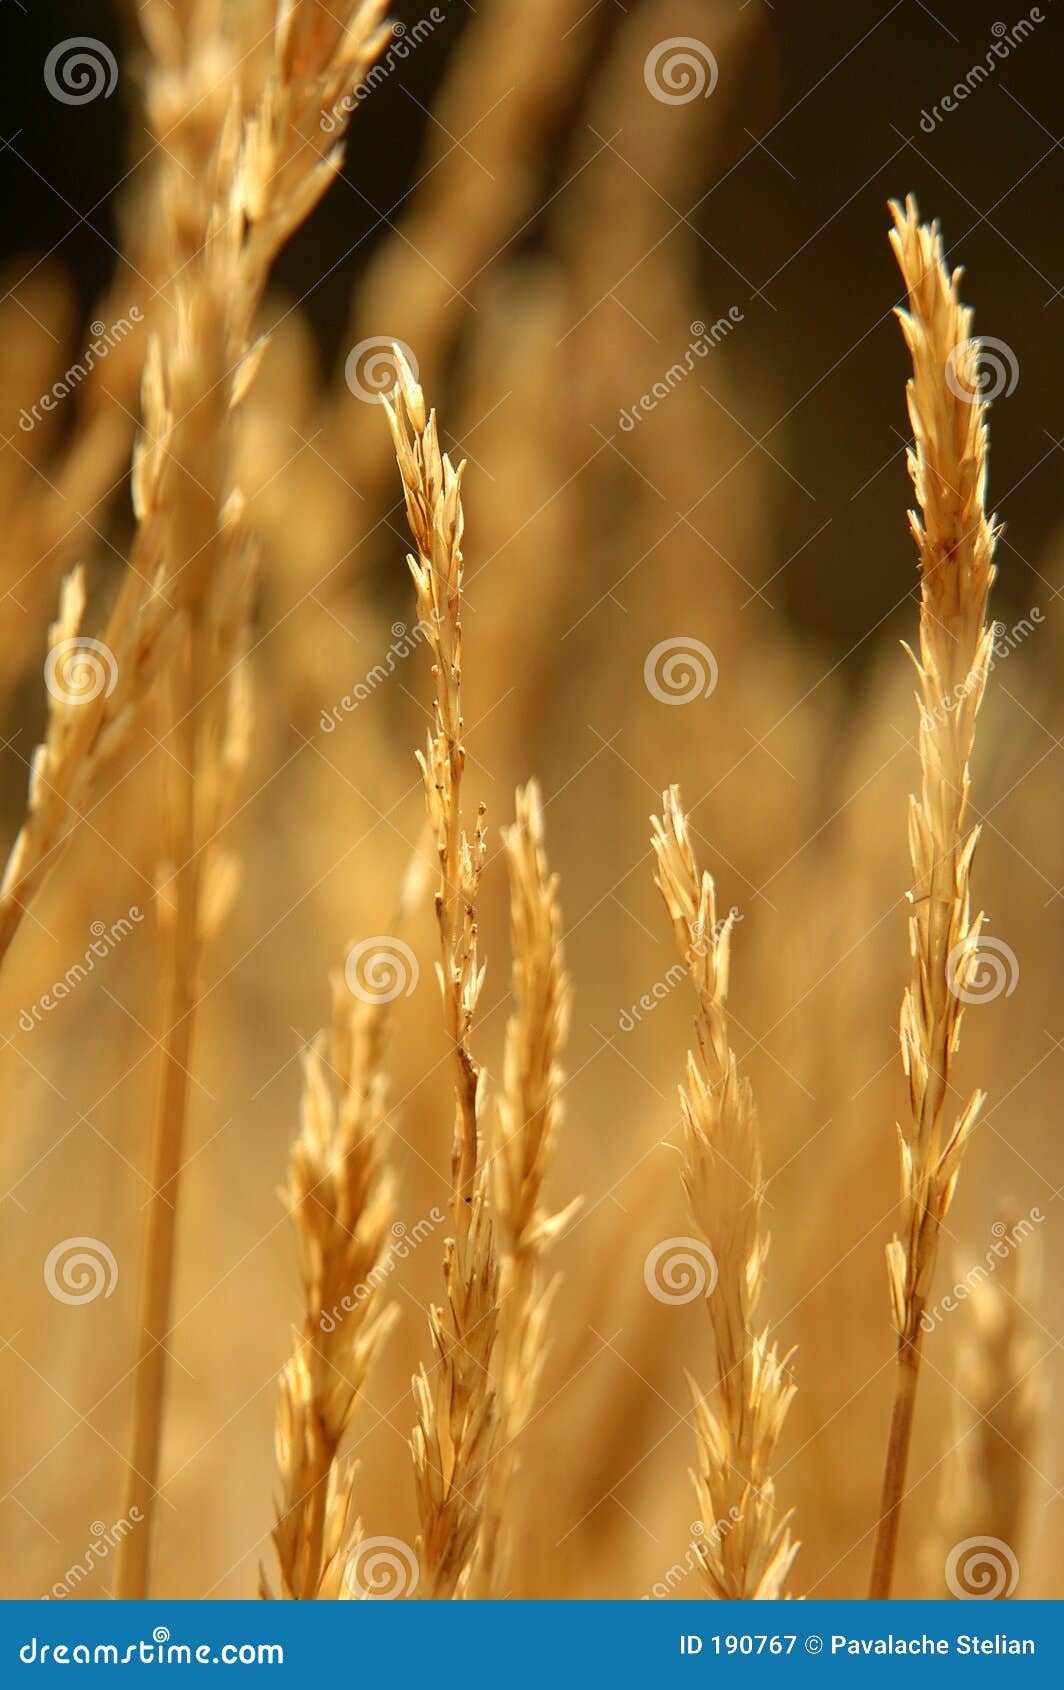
pixel 955 542
pixel 457 1418
pixel 340 1198
pixel 745 1549
pixel 529 1112
pixel 264 177
pixel 89 713
pixel 229 194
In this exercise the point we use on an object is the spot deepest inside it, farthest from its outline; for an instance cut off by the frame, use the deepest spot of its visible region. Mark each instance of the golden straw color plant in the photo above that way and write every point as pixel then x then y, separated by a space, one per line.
pixel 490 1342
pixel 955 544
pixel 340 1198
pixel 263 177
pixel 745 1548
pixel 230 192
pixel 214 691
pixel 456 1407
pixel 529 1113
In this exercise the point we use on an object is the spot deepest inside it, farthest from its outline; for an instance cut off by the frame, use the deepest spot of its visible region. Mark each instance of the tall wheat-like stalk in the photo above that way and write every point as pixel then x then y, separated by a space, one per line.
pixel 955 542
pixel 340 1198
pixel 529 1112
pixel 457 1416
pixel 745 1549
pixel 264 176
pixel 98 686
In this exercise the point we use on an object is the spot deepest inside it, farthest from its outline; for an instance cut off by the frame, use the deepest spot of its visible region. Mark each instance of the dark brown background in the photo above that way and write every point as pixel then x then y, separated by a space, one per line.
pixel 805 225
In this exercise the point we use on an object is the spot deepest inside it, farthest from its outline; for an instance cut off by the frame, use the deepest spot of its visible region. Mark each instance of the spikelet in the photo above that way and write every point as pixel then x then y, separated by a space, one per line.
pixel 340 1199
pixel 529 1112
pixel 227 209
pixel 745 1549
pixel 262 175
pixel 456 1415
pixel 955 542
